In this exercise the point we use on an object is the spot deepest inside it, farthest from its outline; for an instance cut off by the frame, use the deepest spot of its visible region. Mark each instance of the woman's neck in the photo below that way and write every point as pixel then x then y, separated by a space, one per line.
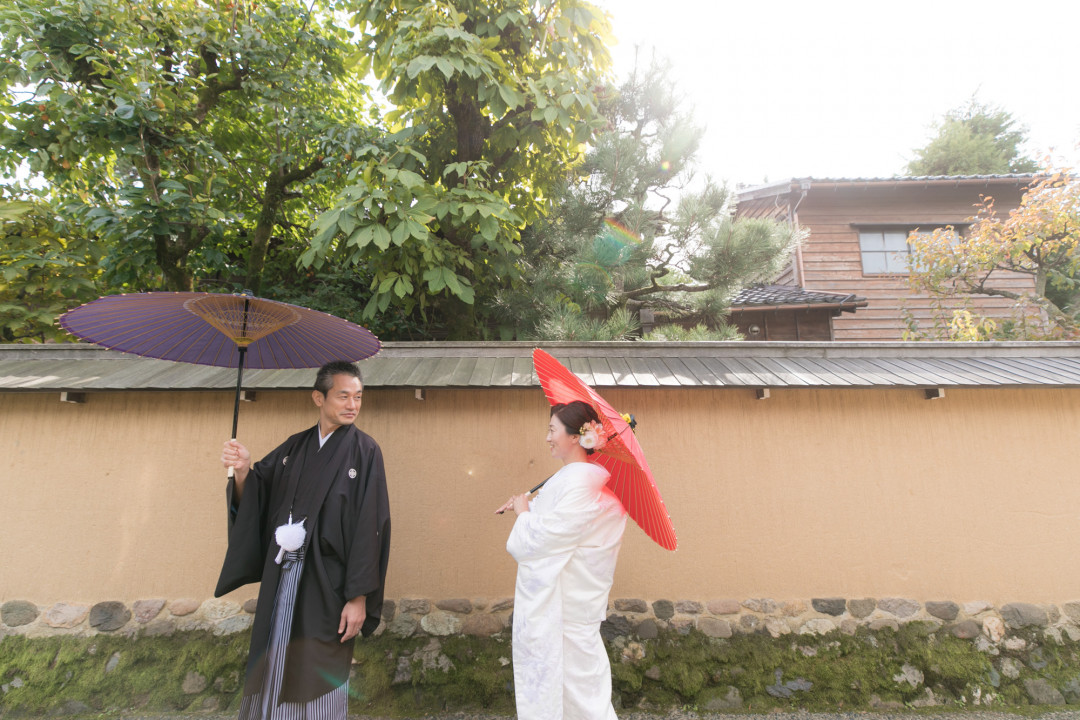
pixel 578 454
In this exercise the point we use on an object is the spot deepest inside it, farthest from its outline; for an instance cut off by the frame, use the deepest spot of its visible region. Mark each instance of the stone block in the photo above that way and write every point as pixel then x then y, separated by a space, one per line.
pixel 829 606
pixel 65 615
pixel 1020 615
pixel 440 623
pixel 793 608
pixel 483 625
pixel 748 623
pixel 15 613
pixel 403 626
pixel 1072 610
pixel 147 610
pixel 193 684
pixel 183 606
pixel 664 609
pixel 479 603
pixel 909 674
pixel 251 605
pixel 977 606
pixel 217 609
pixel 881 623
pixel 861 607
pixel 109 616
pixel 233 624
pixel 817 626
pixel 632 653
pixel 776 626
pixel 112 662
pixel 647 629
pixel 766 606
pixel 943 609
pixel 689 607
pixel 966 629
pixel 613 627
pixel 633 605
pixel 653 673
pixel 731 700
pixel 457 605
pixel 723 607
pixel 1042 692
pixel 849 626
pixel 417 606
pixel 900 607
pixel 503 604
pixel 993 628
pixel 681 624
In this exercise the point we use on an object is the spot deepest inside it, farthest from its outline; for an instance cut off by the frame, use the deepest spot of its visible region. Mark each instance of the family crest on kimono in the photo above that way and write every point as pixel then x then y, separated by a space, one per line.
pixel 566 542
pixel 311 522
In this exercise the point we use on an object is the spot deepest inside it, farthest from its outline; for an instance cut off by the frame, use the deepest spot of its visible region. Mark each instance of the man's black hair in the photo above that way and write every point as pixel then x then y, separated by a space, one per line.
pixel 324 379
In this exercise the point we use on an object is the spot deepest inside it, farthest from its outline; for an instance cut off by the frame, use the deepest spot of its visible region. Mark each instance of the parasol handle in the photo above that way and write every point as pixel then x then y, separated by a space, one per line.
pixel 500 512
pixel 541 484
pixel 232 471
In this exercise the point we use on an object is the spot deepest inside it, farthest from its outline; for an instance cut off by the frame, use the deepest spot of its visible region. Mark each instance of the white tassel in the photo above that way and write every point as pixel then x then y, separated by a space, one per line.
pixel 290 537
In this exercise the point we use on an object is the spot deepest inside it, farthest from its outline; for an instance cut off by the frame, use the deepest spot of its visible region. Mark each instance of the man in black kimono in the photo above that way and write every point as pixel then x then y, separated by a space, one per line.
pixel 311 522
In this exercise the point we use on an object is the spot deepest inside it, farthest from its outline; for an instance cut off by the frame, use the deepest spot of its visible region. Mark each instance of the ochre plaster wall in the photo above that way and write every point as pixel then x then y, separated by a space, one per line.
pixel 853 493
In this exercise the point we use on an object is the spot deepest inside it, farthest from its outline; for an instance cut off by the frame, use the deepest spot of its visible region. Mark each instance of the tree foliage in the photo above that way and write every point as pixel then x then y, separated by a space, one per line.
pixel 490 103
pixel 975 139
pixel 634 230
pixel 1039 239
pixel 186 137
pixel 42 272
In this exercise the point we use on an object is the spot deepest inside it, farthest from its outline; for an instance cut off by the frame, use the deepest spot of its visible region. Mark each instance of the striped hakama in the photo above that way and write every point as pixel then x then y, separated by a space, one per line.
pixel 264 704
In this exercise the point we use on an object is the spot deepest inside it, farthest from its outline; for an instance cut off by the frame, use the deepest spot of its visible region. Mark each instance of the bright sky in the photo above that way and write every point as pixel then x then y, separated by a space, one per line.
pixel 835 88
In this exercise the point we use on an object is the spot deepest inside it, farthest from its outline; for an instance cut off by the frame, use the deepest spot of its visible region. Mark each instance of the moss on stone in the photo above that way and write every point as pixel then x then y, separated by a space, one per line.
pixel 396 677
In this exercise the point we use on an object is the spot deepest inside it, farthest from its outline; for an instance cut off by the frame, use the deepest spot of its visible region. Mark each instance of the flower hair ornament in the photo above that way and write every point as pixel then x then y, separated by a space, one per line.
pixel 591 436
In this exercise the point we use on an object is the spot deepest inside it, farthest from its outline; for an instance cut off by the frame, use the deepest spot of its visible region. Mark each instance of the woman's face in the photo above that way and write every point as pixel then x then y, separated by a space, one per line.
pixel 560 441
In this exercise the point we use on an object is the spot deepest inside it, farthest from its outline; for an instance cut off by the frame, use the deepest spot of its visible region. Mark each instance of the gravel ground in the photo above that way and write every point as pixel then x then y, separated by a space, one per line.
pixel 933 714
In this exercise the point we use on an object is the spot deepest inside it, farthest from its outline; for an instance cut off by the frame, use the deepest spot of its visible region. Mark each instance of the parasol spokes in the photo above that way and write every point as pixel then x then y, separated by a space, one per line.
pixel 242 323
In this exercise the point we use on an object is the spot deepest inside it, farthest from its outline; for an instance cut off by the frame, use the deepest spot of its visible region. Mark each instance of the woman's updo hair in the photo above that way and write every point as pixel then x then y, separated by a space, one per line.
pixel 573 416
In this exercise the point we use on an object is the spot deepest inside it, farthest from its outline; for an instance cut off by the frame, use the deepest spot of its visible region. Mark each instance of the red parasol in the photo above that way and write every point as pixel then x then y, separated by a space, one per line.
pixel 631 480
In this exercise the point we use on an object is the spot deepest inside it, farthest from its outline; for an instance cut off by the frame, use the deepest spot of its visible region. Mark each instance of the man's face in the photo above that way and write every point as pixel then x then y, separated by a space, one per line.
pixel 340 405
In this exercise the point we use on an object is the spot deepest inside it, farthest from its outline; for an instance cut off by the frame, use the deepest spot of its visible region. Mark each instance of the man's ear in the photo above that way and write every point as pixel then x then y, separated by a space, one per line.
pixel 317 398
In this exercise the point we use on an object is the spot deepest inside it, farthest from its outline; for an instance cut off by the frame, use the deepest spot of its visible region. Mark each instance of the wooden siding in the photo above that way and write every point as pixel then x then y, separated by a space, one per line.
pixel 831 260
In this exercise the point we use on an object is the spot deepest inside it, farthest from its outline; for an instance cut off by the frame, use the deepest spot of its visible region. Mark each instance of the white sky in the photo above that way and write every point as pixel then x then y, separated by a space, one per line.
pixel 835 88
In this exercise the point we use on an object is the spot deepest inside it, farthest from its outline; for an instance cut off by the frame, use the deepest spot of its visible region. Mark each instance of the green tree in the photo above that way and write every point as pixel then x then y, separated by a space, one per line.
pixel 975 139
pixel 187 138
pixel 1039 239
pixel 491 102
pixel 42 272
pixel 634 230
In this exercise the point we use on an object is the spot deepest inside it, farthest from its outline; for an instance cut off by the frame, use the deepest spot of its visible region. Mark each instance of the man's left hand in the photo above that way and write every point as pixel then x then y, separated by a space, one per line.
pixel 352 617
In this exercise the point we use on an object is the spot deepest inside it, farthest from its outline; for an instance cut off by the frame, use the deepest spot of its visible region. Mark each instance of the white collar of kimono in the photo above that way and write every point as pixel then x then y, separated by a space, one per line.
pixel 324 438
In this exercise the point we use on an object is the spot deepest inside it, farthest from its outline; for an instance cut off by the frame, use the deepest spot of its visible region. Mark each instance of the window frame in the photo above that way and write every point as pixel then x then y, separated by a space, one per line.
pixel 907 230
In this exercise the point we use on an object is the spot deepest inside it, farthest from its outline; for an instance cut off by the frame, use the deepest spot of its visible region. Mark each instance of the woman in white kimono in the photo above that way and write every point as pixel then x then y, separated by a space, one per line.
pixel 566 542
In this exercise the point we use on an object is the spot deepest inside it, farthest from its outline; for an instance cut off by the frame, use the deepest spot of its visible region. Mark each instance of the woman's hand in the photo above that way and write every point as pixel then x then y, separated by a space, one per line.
pixel 517 503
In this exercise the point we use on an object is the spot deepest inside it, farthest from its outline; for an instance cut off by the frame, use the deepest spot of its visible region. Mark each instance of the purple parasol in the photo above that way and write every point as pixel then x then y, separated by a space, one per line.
pixel 219 329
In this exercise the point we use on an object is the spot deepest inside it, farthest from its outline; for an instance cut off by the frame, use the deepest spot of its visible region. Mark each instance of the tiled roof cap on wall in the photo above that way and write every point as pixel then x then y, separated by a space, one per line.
pixel 76 367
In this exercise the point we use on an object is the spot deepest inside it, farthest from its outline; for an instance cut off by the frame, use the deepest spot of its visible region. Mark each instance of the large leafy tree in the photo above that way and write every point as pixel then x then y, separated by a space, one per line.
pixel 42 272
pixel 975 139
pixel 635 231
pixel 188 138
pixel 1039 239
pixel 490 103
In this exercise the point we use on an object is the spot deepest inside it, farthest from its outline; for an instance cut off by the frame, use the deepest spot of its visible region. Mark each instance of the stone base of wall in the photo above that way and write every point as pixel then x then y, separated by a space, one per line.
pixel 455 654
pixel 718 618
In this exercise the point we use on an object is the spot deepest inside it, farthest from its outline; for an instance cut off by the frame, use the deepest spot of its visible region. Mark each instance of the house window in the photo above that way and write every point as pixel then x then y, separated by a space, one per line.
pixel 885 251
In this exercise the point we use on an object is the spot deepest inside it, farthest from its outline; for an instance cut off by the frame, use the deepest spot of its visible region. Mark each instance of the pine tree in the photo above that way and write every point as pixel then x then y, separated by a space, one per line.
pixel 635 230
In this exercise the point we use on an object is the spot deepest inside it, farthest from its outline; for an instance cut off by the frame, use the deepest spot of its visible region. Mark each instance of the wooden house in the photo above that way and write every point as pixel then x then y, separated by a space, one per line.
pixel 858 246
